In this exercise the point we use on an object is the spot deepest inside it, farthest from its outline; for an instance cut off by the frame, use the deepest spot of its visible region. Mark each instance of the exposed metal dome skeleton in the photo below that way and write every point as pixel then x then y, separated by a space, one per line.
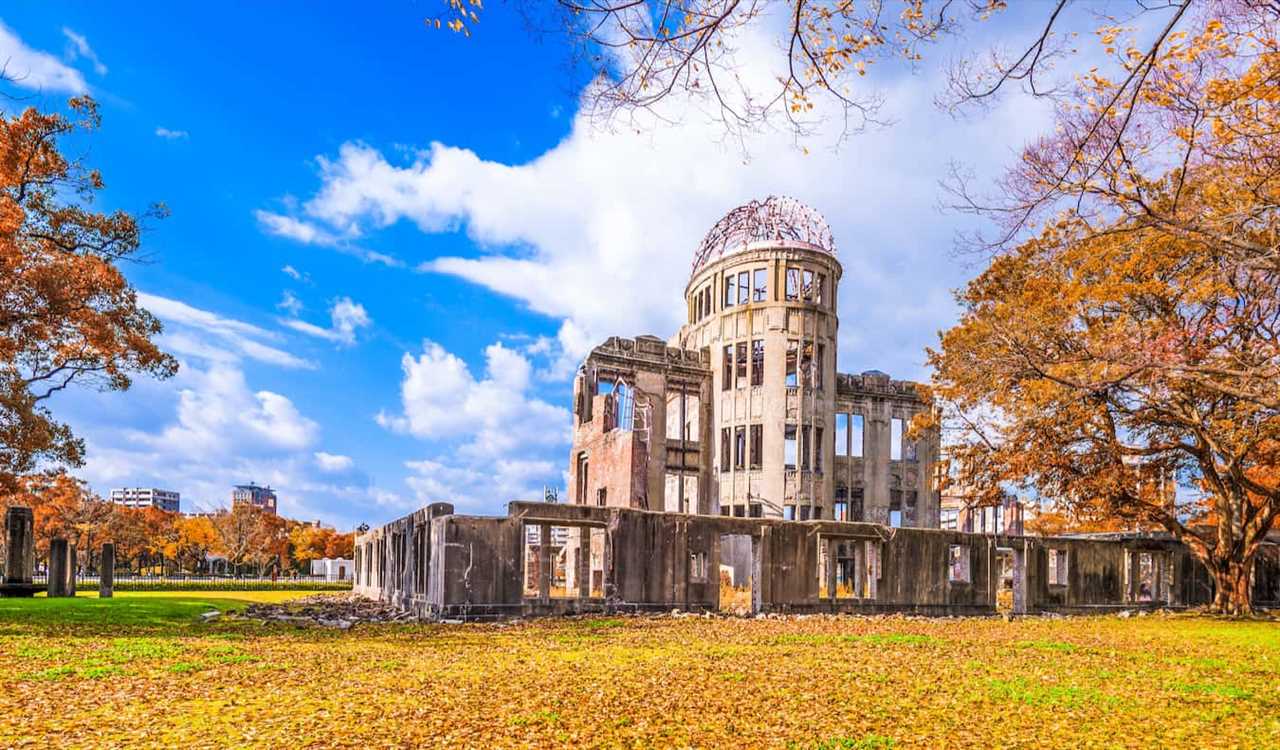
pixel 776 218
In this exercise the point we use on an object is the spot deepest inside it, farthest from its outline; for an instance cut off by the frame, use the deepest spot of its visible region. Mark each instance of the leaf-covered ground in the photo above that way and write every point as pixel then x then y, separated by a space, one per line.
pixel 144 671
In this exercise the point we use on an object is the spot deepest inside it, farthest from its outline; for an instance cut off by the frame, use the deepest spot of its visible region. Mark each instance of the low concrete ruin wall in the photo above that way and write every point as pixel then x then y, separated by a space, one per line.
pixel 544 559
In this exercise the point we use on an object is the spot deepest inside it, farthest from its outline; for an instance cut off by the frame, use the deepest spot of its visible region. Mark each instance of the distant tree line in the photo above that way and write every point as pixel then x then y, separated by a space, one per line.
pixel 149 541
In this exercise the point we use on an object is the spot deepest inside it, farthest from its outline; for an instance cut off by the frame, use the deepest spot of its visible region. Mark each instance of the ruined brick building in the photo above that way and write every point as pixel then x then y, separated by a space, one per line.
pixel 732 468
pixel 742 412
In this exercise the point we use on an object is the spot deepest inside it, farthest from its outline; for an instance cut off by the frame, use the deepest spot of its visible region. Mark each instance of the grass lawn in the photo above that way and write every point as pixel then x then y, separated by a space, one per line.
pixel 142 670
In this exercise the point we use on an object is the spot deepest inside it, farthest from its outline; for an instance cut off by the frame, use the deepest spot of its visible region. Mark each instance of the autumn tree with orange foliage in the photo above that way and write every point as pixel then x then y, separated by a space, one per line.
pixel 1136 336
pixel 67 314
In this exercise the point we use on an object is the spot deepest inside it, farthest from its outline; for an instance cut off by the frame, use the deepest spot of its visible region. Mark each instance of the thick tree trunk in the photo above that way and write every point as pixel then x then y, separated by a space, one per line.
pixel 1232 594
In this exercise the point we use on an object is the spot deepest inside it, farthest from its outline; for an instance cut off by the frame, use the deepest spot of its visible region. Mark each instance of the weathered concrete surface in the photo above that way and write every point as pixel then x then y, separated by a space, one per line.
pixel 20 556
pixel 544 559
pixel 57 567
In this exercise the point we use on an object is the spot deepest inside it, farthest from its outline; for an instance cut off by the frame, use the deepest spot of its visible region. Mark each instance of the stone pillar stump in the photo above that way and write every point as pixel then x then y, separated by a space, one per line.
pixel 57 567
pixel 107 571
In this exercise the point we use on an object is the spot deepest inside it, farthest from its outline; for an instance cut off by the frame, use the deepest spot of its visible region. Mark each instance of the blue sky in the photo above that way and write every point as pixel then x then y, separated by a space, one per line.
pixel 389 247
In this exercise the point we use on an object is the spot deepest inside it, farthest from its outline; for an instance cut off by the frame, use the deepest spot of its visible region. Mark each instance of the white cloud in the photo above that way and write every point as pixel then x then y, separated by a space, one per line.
pixel 295 274
pixel 599 232
pixel 37 70
pixel 308 233
pixel 474 488
pixel 345 315
pixel 78 46
pixel 217 413
pixel 494 416
pixel 195 332
pixel 171 135
pixel 333 463
pixel 290 303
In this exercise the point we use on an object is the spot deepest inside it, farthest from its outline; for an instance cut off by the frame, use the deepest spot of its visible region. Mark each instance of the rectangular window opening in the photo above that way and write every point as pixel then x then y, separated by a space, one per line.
pixel 789 447
pixel 757 362
pixel 793 283
pixel 739 447
pixel 793 350
pixel 958 563
pixel 698 567
pixel 895 439
pixel 757 445
pixel 760 289
pixel 744 288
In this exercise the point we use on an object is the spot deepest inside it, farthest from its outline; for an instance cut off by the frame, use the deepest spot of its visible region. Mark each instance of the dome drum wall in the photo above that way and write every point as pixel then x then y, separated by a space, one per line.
pixel 772 349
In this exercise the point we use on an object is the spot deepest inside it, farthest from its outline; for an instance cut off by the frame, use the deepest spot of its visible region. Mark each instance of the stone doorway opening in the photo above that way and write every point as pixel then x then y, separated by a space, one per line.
pixel 739 573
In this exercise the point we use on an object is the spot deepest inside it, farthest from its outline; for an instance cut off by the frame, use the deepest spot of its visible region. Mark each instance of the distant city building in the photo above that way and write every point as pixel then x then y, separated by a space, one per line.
pixel 146 497
pixel 255 495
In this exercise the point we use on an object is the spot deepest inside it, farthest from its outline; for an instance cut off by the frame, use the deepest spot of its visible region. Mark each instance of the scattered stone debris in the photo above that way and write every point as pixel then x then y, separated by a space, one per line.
pixel 340 611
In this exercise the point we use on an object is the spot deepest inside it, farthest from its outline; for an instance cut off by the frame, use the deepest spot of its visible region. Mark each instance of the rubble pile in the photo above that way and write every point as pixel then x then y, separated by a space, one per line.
pixel 339 611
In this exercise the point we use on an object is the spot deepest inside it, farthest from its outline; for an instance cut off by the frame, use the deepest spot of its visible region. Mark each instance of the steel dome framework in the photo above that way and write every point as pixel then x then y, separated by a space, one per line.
pixel 776 218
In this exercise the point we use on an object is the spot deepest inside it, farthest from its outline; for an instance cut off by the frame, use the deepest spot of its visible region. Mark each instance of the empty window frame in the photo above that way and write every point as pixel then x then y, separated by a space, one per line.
pixel 805 435
pixel 675 407
pixel 793 283
pixel 789 450
pixel 755 510
pixel 909 449
pixel 741 360
pixel 958 564
pixel 789 512
pixel 817 512
pixel 706 302
pixel 602 497
pixel 760 285
pixel 855 504
pixel 895 519
pixel 793 350
pixel 692 404
pixel 757 362
pixel 840 511
pixel 1057 567
pixel 756 457
pixel 807 290
pixel 671 493
pixel 805 510
pixel 739 511
pixel 698 567
pixel 739 448
pixel 532 558
pixel 596 542
pixel 583 468
pixel 819 366
pixel 842 434
pixel 730 289
pixel 895 439
pixel 855 435
pixel 726 370
pixel 724 449
pixel 950 519
pixel 819 286
pixel 806 363
pixel 744 288
pixel 817 449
